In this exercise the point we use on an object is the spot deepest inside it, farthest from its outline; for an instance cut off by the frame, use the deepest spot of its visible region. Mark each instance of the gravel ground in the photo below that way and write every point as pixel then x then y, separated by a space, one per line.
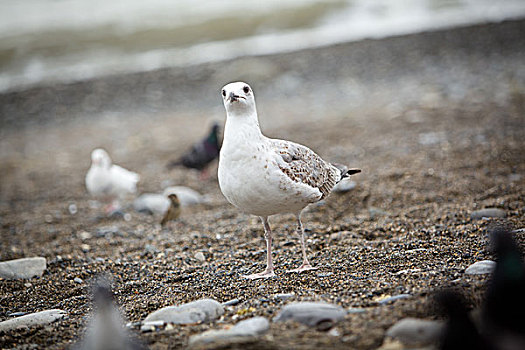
pixel 405 227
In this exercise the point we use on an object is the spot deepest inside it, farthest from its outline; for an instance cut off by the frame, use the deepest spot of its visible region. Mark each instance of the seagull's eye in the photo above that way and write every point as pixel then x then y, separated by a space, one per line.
pixel 224 93
pixel 246 89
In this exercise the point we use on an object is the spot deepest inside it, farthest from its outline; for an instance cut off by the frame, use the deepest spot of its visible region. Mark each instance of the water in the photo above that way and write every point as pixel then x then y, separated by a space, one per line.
pixel 44 41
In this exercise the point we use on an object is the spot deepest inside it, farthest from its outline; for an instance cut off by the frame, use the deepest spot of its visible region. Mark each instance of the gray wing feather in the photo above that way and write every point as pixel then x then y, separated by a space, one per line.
pixel 303 165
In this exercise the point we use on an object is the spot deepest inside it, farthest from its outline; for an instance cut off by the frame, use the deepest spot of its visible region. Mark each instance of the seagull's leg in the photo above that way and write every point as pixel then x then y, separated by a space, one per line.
pixel 306 264
pixel 269 262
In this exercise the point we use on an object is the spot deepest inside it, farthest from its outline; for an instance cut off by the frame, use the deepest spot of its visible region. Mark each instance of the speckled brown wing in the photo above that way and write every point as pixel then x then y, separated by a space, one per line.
pixel 303 165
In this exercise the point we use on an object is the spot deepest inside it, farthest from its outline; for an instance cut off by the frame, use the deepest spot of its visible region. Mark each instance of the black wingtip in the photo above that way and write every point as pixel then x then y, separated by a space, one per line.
pixel 352 172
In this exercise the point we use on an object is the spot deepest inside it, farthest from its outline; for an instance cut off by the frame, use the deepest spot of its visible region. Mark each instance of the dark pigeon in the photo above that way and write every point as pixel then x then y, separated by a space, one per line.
pixel 201 153
pixel 503 312
pixel 460 332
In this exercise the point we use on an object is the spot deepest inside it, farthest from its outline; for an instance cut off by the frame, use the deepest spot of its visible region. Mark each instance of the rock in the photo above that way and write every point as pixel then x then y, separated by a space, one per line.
pixel 35 319
pixel 203 310
pixel 393 298
pixel 152 203
pixel 488 213
pixel 284 296
pixel 186 195
pixel 231 302
pixel 84 235
pixel 344 185
pixel 249 328
pixel 481 267
pixel 22 268
pixel 72 208
pixel 312 314
pixel 416 332
pixel 200 256
pixel 77 280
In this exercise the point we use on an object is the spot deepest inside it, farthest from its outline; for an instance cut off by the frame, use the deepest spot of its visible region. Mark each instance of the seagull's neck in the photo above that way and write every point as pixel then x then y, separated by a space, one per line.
pixel 243 127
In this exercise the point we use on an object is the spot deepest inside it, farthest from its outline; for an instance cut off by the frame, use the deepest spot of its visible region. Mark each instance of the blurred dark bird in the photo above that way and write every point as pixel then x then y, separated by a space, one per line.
pixel 201 153
pixel 106 329
pixel 173 211
pixel 503 312
pixel 460 332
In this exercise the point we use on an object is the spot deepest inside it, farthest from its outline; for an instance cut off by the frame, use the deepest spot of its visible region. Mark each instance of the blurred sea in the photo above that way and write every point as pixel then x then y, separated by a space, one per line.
pixel 45 41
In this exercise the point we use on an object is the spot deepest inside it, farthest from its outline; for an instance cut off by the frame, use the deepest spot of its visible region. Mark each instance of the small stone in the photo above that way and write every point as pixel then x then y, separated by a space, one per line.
pixel 48 218
pixel 488 213
pixel 127 217
pixel 481 267
pixel 356 310
pixel 344 185
pixel 200 256
pixel 151 203
pixel 84 235
pixel 203 310
pixel 325 274
pixel 28 285
pixel 231 302
pixel 78 280
pixel 34 319
pixel 416 332
pixel 312 314
pixel 24 268
pixel 249 328
pixel 393 298
pixel 72 208
pixel 85 248
pixel 334 332
pixel 285 296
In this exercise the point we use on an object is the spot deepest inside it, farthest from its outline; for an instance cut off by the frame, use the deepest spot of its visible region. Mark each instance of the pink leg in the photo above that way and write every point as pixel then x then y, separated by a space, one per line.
pixel 269 262
pixel 306 265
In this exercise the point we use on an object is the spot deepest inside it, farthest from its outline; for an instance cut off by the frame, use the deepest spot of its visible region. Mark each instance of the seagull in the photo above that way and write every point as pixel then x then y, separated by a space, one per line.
pixel 263 176
pixel 106 329
pixel 108 180
pixel 201 153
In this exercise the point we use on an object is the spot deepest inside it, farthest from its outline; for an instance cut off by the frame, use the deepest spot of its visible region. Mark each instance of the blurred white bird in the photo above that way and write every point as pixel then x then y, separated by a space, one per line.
pixel 108 181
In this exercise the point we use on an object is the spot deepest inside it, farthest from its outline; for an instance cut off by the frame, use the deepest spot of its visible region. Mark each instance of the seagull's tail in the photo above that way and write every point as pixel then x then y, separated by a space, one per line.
pixel 345 172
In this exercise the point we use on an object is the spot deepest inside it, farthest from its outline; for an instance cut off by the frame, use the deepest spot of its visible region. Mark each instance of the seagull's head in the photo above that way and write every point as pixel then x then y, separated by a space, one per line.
pixel 100 157
pixel 238 98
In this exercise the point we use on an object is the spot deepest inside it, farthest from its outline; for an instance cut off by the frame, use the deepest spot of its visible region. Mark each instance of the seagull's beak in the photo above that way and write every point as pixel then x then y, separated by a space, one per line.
pixel 232 97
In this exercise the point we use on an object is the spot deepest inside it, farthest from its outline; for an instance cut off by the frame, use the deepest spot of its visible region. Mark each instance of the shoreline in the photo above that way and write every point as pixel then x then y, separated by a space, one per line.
pixel 361 72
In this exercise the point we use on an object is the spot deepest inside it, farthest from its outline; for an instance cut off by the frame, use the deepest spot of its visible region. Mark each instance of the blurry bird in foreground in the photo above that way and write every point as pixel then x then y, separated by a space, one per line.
pixel 460 332
pixel 109 181
pixel 106 329
pixel 503 310
pixel 201 153
pixel 173 211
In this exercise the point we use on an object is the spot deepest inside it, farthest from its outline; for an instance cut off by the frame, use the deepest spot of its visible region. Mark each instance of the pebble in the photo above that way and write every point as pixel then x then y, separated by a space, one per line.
pixel 393 298
pixel 356 310
pixel 231 302
pixel 312 314
pixel 85 247
pixel 344 185
pixel 203 310
pixel 187 196
pixel 84 235
pixel 78 280
pixel 72 208
pixel 284 296
pixel 249 328
pixel 481 267
pixel 152 203
pixel 200 256
pixel 488 213
pixel 413 332
pixel 34 319
pixel 22 268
